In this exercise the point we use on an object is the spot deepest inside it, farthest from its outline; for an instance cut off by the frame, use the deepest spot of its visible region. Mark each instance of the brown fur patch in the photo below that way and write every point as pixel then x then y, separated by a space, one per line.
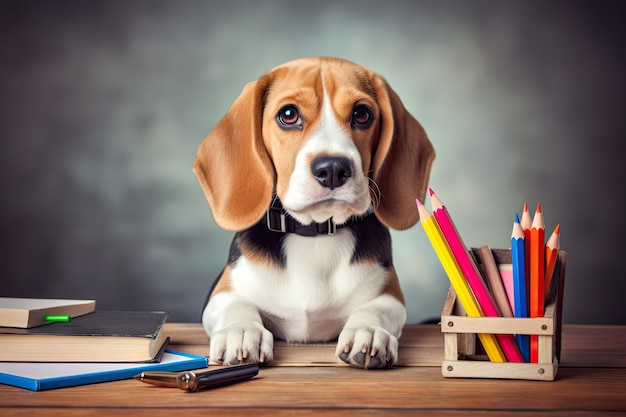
pixel 223 283
pixel 393 286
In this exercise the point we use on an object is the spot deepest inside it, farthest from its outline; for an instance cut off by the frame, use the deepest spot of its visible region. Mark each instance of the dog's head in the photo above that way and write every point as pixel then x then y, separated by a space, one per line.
pixel 329 137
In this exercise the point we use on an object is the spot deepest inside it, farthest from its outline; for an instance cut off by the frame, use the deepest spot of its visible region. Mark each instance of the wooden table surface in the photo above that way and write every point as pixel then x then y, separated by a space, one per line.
pixel 306 379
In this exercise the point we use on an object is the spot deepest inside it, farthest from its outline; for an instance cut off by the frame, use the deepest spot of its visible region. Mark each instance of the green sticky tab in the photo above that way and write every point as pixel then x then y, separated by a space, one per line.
pixel 59 318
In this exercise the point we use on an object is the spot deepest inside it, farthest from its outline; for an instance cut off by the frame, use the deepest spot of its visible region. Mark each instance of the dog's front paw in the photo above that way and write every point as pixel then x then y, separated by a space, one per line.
pixel 242 343
pixel 367 347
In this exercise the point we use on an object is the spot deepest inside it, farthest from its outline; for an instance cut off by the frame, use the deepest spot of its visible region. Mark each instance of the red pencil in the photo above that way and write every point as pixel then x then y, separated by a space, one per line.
pixel 552 252
pixel 537 271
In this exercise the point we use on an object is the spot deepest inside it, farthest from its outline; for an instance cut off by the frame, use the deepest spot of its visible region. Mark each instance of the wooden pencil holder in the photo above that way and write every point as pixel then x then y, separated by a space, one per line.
pixel 460 349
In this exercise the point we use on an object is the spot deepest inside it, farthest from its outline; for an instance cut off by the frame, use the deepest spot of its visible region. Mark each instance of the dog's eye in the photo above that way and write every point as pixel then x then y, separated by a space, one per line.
pixel 289 117
pixel 361 117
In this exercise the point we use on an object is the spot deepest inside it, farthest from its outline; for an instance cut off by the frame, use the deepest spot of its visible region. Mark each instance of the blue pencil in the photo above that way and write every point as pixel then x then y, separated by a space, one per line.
pixel 519 283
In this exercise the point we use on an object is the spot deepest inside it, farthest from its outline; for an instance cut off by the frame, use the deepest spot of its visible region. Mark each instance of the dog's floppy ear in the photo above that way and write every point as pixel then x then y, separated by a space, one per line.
pixel 402 161
pixel 232 165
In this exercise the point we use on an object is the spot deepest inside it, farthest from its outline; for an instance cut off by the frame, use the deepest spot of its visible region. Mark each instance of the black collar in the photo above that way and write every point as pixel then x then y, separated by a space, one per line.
pixel 278 220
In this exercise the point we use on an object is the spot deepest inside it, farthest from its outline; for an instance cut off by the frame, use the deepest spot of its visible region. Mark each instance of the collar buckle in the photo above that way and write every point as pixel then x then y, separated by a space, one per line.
pixel 275 220
pixel 327 228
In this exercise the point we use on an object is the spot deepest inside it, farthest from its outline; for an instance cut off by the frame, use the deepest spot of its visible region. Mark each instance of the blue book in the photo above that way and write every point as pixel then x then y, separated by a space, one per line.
pixel 49 375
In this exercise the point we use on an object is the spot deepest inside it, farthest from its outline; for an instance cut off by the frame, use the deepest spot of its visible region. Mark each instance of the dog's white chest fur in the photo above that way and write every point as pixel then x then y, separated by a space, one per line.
pixel 313 295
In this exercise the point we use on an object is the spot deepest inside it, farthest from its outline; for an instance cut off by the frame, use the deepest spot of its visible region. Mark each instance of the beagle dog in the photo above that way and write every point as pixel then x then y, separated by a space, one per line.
pixel 310 166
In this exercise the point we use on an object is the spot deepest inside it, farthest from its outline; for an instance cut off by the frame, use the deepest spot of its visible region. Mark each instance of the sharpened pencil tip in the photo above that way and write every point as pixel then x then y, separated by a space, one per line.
pixel 516 218
pixel 418 202
pixel 557 229
pixel 430 190
pixel 538 208
pixel 525 206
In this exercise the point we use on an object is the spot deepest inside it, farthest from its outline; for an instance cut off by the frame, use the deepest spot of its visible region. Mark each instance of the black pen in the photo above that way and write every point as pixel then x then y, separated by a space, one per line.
pixel 192 381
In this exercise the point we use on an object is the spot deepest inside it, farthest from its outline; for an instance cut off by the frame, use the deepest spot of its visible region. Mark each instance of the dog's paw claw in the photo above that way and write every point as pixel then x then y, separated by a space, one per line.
pixel 241 344
pixel 378 348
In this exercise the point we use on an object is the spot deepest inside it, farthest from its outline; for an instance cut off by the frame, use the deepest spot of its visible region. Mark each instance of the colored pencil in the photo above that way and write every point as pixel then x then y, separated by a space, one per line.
pixel 537 272
pixel 470 272
pixel 506 274
pixel 526 223
pixel 552 252
pixel 494 279
pixel 452 269
pixel 518 247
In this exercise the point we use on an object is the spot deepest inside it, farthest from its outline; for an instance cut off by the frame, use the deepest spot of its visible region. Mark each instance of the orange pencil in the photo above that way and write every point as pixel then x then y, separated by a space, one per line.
pixel 537 271
pixel 552 252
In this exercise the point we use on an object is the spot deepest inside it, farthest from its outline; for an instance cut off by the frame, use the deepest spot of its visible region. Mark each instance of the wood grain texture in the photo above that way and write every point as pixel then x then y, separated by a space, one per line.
pixel 306 379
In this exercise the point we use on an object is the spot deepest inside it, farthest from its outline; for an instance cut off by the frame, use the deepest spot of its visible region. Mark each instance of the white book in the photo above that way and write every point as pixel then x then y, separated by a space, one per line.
pixel 31 312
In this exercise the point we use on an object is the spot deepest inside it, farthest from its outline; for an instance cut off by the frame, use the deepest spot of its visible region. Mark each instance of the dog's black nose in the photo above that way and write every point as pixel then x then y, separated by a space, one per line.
pixel 330 171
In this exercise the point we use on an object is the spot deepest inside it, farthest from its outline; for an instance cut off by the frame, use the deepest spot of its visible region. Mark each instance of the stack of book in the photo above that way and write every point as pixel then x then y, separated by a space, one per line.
pixel 48 344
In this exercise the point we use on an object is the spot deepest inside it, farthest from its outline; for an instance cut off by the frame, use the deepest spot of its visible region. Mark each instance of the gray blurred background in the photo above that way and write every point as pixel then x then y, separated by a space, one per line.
pixel 103 105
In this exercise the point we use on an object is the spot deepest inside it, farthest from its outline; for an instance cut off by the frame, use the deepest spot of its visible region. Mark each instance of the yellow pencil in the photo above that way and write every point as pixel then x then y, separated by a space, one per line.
pixel 462 289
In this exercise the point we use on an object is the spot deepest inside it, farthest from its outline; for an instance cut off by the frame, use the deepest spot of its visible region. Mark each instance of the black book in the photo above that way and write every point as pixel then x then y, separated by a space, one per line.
pixel 101 336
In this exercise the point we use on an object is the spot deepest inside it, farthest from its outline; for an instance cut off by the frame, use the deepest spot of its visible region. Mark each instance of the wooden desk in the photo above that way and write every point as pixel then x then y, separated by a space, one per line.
pixel 306 380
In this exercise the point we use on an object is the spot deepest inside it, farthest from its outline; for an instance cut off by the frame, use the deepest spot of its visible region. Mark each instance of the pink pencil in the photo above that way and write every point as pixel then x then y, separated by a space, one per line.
pixel 506 273
pixel 471 274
